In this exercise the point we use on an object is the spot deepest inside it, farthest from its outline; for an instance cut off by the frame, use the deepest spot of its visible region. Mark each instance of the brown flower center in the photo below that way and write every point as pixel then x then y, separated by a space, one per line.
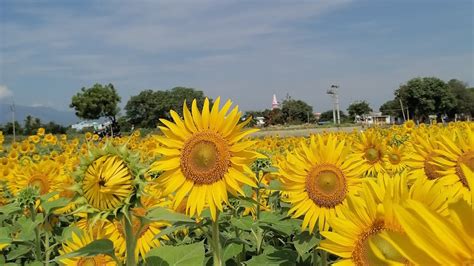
pixel 326 185
pixel 372 155
pixel 362 253
pixel 467 159
pixel 205 157
pixel 40 182
pixel 99 260
pixel 431 170
pixel 394 158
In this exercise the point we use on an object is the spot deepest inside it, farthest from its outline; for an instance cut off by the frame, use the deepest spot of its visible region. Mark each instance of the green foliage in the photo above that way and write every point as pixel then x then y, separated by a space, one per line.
pixel 145 109
pixel 274 117
pixel 297 111
pixel 392 108
pixel 8 128
pixel 328 116
pixel 31 125
pixel 464 97
pixel 95 102
pixel 358 108
pixel 192 254
pixel 426 96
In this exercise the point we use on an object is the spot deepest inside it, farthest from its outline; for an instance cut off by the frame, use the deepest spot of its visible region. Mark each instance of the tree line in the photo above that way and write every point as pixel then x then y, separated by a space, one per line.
pixel 31 125
pixel 420 98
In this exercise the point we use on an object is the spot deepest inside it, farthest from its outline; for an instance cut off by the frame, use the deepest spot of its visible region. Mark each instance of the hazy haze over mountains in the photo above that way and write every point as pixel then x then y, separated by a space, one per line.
pixel 46 114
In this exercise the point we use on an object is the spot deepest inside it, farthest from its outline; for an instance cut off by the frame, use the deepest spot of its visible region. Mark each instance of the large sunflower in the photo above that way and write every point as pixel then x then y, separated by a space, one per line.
pixel 107 180
pixel 318 178
pixel 430 238
pixel 420 161
pixel 356 234
pixel 45 175
pixel 107 183
pixel 204 156
pixel 456 150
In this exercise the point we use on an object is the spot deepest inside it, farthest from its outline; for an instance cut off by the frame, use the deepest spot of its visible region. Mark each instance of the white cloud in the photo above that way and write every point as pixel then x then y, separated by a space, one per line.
pixel 5 92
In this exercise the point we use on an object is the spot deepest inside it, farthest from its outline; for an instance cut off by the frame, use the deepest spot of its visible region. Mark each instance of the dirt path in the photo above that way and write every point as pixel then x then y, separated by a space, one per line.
pixel 302 132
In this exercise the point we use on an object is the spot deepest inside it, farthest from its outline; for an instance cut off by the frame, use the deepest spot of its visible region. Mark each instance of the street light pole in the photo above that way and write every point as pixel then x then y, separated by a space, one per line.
pixel 12 108
pixel 335 109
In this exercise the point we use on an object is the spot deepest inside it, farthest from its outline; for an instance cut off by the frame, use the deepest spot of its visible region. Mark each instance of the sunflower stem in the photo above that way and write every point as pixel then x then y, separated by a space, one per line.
pixel 131 242
pixel 47 249
pixel 324 257
pixel 216 243
pixel 37 234
pixel 315 256
pixel 257 211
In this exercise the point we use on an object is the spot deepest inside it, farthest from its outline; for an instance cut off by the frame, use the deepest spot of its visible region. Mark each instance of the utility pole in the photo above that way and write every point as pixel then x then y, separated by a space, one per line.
pixel 12 108
pixel 403 110
pixel 335 109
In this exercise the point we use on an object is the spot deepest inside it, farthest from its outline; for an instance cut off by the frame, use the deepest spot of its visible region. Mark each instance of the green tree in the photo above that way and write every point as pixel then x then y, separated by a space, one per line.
pixel 358 108
pixel 297 111
pixel 97 101
pixel 464 98
pixel 392 108
pixel 31 125
pixel 328 116
pixel 177 95
pixel 54 128
pixel 426 96
pixel 8 128
pixel 146 108
pixel 273 117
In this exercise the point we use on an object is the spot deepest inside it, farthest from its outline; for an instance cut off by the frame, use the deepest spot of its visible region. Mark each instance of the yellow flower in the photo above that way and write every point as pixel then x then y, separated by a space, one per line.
pixel 456 149
pixel 78 241
pixel 356 233
pixel 430 238
pixel 369 149
pixel 395 159
pixel 40 131
pixel 204 156
pixel 88 135
pixel 145 237
pixel 318 178
pixel 107 183
pixel 46 175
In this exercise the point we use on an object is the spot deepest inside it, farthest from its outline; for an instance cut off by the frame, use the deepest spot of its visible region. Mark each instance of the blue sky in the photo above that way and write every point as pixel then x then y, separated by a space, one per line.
pixel 242 50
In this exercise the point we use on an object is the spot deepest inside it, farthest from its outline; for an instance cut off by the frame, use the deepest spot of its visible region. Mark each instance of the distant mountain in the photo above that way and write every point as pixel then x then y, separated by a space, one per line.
pixel 46 114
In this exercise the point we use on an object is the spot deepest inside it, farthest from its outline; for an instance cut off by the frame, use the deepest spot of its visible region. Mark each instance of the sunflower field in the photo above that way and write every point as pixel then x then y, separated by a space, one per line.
pixel 205 192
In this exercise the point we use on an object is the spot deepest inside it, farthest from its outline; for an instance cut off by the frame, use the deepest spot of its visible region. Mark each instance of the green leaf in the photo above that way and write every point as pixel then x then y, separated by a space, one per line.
pixel 171 229
pixel 96 247
pixel 10 208
pixel 231 251
pixel 49 206
pixel 304 242
pixel 163 214
pixel 35 263
pixel 27 227
pixel 274 185
pixel 177 255
pixel 245 223
pixel 18 252
pixel 270 169
pixel 247 202
pixel 273 257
